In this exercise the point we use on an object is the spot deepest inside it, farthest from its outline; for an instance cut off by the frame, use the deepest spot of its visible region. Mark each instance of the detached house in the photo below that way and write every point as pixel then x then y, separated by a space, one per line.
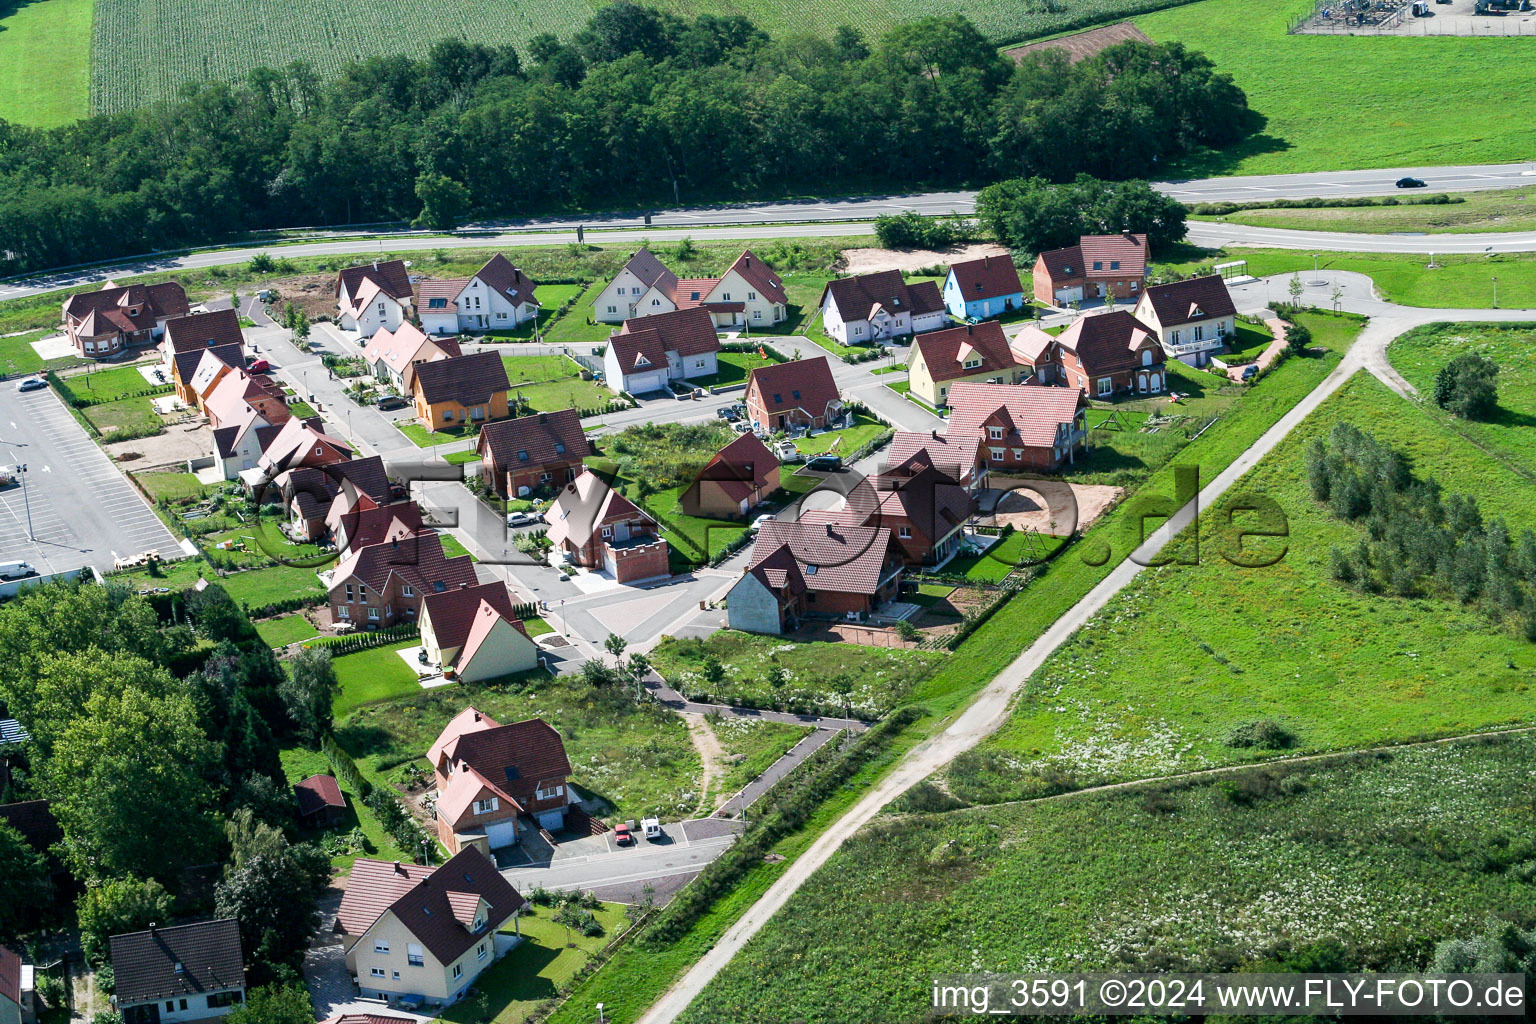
pixel 186 338
pixel 1094 266
pixel 303 443
pixel 420 935
pixel 958 458
pixel 393 355
pixel 596 527
pixel 18 989
pixel 876 307
pixel 977 289
pixel 498 296
pixel 749 294
pixel 814 567
pixel 316 497
pixel 473 634
pixel 737 478
pixel 488 775
pixel 649 351
pixel 1021 428
pixel 183 973
pixel 459 391
pixel 974 352
pixel 925 511
pixel 372 296
pixel 1110 354
pixel 114 319
pixel 799 395
pixel 521 455
pixel 1191 318
pixel 383 584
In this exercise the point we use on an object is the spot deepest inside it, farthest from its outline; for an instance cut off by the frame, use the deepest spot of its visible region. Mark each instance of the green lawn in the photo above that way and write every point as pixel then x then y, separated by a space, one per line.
pixel 45 62
pixel 246 546
pixel 820 338
pixel 1335 101
pixel 550 298
pixel 1420 353
pixel 300 763
pixel 176 576
pixel 289 629
pixel 999 560
pixel 1257 871
pixel 879 678
pixel 537 969
pixel 803 290
pixel 1460 282
pixel 536 626
pixel 863 431
pixel 570 393
pixel 1184 655
pixel 453 547
pixel 110 385
pixel 1495 210
pixel 136 414
pixel 16 353
pixel 733 369
pixel 534 369
pixel 461 458
pixel 421 437
pixel 637 757
pixel 377 674
pixel 751 746
pixel 574 328
pixel 257 587
pixel 174 485
pixel 303 410
pixel 1247 342
pixel 693 538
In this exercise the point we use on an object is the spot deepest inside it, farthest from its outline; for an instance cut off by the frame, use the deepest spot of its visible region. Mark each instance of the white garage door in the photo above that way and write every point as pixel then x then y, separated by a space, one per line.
pixel 1065 295
pixel 551 820
pixel 502 833
pixel 641 383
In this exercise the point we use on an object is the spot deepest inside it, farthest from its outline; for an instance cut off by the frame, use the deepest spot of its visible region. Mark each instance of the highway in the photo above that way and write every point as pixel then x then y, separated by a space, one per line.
pixel 850 216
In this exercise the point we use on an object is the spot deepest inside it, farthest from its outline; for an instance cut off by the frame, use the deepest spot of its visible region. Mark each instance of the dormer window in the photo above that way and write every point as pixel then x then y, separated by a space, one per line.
pixel 694 296
pixel 479 924
pixel 971 364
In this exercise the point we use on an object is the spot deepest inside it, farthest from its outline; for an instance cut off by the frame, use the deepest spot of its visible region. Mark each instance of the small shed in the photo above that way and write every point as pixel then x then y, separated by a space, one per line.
pixel 320 800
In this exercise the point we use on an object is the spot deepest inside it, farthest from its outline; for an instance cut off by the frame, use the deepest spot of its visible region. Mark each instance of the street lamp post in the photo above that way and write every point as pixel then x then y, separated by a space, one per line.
pixel 1495 291
pixel 25 499
pixel 600 1018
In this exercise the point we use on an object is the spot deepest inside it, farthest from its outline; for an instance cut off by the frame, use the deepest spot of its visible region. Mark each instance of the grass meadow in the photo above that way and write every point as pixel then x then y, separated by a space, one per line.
pixel 45 61
pixel 300 763
pixel 1494 210
pixel 1360 862
pixel 1354 101
pixel 1160 680
pixel 1419 354
pixel 751 746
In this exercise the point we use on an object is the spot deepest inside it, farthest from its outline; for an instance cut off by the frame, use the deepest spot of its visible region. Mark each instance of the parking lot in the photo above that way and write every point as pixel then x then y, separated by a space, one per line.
pixel 83 510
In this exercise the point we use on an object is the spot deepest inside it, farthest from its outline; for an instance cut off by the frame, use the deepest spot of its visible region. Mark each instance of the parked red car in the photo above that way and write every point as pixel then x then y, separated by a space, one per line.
pixel 259 366
pixel 622 835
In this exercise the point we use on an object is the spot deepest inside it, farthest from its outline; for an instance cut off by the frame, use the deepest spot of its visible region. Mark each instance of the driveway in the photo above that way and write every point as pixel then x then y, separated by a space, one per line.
pixel 332 993
pixel 83 510
pixel 618 874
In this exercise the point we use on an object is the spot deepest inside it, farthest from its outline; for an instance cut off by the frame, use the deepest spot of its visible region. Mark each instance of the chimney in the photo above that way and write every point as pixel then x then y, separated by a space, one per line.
pixel 746 261
pixel 517 275
pixel 829 529
pixel 398 869
pixel 935 434
pixel 477 716
pixel 543 418
pixel 375 264
pixel 151 927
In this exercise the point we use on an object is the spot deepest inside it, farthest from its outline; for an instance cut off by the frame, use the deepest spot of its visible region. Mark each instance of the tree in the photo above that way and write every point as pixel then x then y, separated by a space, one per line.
pixel 444 202
pixel 1296 289
pixel 28 890
pixel 272 894
pixel 1468 386
pixel 1502 948
pixel 132 758
pixel 614 644
pixel 274 1004
pixel 1032 215
pixel 1297 338
pixel 118 905
pixel 848 43
pixel 686 249
pixel 217 616
pixel 777 679
pixel 309 692
pixel 596 674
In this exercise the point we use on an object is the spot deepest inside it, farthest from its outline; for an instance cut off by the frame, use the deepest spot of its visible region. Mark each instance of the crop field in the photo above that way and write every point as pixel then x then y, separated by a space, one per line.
pixel 1263 870
pixel 1355 101
pixel 1420 353
pixel 1337 667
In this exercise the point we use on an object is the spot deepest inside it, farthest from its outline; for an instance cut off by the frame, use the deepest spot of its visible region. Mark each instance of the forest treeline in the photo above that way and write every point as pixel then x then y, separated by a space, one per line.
pixel 639 109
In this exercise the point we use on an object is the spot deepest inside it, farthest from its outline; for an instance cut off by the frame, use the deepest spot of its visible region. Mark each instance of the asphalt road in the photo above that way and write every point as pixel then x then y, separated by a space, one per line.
pixel 828 217
pixel 84 512
pixel 1214 235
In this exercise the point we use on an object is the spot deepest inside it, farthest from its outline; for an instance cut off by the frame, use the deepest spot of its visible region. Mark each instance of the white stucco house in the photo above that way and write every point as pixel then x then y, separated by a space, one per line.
pixel 878 307
pixel 749 294
pixel 650 351
pixel 498 296
pixel 373 296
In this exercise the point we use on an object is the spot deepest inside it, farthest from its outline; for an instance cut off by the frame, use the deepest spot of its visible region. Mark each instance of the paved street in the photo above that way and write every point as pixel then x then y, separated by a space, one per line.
pixel 84 512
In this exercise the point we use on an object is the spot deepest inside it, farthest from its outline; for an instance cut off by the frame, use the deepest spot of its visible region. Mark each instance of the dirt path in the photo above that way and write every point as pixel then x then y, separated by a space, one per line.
pixel 711 755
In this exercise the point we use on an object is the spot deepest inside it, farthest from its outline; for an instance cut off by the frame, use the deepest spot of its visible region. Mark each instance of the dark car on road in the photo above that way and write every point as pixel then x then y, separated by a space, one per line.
pixel 392 402
pixel 825 463
pixel 1410 183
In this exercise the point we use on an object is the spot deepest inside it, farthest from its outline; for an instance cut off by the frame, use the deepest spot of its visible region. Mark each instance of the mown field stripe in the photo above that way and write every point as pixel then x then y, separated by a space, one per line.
pixel 45 62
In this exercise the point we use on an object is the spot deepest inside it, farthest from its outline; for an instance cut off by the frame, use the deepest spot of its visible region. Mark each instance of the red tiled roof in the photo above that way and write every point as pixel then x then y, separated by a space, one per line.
pixel 929 499
pixel 203 330
pixel 776 568
pixel 584 505
pixel 946 352
pixel 399 349
pixel 419 560
pixel 1107 342
pixel 373 886
pixel 528 442
pixel 1031 345
pixel 1062 263
pixel 501 276
pixel 10 975
pixel 314 488
pixel 438 296
pixel 829 555
pixel 857 297
pixel 295 444
pixel 1199 298
pixel 741 467
pixel 651 271
pixel 953 455
pixel 468 720
pixel 688 332
pixel 371 523
pixel 760 276
pixel 804 384
pixel 187 361
pixel 689 292
pixel 316 793
pixel 467 380
pixel 452 612
pixel 427 912
pixel 208 952
pixel 1101 252
pixel 638 351
pixel 516 757
pixel 390 276
pixel 991 277
pixel 1029 414
pixel 110 304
